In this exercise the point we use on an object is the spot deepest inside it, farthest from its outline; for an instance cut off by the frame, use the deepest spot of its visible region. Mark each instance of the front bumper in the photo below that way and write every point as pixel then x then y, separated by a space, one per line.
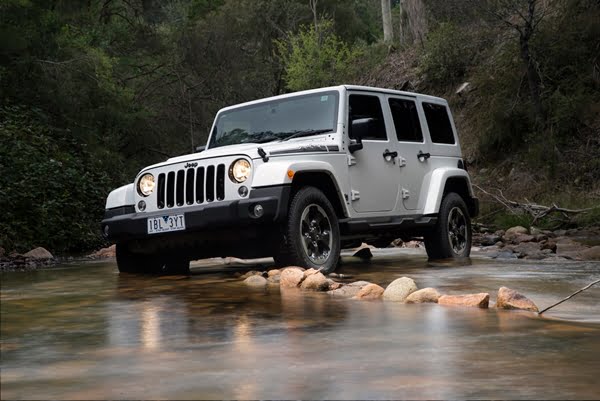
pixel 205 217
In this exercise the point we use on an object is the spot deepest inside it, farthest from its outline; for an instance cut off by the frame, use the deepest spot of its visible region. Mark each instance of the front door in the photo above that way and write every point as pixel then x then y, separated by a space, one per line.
pixel 373 175
pixel 408 132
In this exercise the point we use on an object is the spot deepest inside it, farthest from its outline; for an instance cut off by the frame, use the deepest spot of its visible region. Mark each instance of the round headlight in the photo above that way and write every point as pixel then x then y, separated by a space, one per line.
pixel 146 185
pixel 239 171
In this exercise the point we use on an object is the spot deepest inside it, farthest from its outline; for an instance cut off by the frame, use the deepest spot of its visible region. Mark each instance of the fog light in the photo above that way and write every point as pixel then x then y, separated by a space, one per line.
pixel 243 191
pixel 258 211
pixel 141 205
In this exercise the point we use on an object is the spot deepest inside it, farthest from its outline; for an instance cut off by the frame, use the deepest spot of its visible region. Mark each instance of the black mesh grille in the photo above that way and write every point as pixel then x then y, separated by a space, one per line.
pixel 210 183
pixel 221 182
pixel 199 185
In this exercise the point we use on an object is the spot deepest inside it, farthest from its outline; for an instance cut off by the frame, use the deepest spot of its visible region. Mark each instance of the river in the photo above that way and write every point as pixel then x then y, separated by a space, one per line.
pixel 82 331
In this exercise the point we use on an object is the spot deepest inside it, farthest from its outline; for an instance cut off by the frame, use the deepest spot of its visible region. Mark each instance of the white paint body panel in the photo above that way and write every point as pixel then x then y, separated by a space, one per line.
pixel 121 196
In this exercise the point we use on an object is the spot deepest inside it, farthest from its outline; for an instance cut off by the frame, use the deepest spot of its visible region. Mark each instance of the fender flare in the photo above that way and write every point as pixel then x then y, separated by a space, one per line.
pixel 437 185
pixel 122 196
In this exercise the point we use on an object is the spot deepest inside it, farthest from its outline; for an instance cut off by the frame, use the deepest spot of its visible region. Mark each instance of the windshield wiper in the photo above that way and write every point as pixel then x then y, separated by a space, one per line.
pixel 307 132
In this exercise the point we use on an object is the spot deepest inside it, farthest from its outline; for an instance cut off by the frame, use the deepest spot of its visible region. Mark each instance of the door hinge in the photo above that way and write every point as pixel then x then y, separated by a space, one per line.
pixel 401 161
pixel 405 193
pixel 354 195
pixel 351 160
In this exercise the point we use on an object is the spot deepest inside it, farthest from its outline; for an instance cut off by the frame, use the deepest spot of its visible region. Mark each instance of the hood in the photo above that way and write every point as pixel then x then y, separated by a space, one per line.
pixel 251 149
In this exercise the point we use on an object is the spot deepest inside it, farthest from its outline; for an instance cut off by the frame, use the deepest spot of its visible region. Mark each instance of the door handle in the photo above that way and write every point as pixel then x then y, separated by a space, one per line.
pixel 423 156
pixel 388 156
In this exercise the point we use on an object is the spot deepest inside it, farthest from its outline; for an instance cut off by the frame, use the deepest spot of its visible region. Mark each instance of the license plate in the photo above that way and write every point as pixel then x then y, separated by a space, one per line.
pixel 164 224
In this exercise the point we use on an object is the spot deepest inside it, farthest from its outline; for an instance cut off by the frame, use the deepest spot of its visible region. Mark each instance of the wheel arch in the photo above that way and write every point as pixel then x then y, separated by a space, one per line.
pixel 444 181
pixel 324 181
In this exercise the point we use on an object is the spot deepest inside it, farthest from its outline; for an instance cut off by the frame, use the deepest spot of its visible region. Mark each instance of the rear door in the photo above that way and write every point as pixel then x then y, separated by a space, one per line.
pixel 408 131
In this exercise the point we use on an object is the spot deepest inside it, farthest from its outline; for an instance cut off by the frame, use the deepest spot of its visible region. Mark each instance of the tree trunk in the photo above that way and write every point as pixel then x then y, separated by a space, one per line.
pixel 386 13
pixel 533 80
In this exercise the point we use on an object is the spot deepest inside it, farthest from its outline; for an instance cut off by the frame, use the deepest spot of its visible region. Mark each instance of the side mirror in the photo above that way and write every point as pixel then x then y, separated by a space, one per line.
pixel 359 129
pixel 200 148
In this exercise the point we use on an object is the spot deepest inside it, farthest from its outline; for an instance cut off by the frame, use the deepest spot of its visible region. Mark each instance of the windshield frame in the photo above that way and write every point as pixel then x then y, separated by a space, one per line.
pixel 263 102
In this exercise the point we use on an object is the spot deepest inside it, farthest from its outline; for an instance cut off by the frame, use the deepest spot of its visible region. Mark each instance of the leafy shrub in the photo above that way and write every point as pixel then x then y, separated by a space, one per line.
pixel 51 189
pixel 315 58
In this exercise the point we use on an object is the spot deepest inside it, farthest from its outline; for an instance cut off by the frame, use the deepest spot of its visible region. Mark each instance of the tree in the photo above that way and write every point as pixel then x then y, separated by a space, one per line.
pixel 386 14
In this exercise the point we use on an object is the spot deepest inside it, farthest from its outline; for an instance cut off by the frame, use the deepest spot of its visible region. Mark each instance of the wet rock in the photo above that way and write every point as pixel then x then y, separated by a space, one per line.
pixel 412 244
pixel 256 281
pixel 399 289
pixel 333 275
pixel 592 253
pixel 333 285
pixel 548 244
pixel 250 274
pixel 39 254
pixel 523 238
pixel 363 251
pixel 109 252
pixel 274 272
pixel 291 277
pixel 370 291
pixel 315 282
pixel 505 254
pixel 424 295
pixel 560 233
pixel 514 231
pixel 481 300
pixel 274 279
pixel 568 248
pixel 511 299
pixel 527 249
pixel 348 290
pixel 490 239
pixel 534 231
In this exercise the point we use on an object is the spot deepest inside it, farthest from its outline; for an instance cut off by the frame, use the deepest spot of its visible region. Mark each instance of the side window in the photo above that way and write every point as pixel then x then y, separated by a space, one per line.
pixel 406 120
pixel 364 106
pixel 439 124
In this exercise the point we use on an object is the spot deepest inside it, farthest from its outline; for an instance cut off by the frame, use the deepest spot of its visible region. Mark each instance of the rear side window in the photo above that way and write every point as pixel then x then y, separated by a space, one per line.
pixel 364 106
pixel 438 122
pixel 406 120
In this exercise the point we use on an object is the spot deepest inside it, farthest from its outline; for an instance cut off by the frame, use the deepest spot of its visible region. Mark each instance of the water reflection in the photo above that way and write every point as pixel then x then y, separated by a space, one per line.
pixel 88 332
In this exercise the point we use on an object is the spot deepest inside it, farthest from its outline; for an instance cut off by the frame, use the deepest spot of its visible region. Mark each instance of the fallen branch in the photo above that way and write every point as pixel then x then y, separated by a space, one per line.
pixel 570 296
pixel 535 210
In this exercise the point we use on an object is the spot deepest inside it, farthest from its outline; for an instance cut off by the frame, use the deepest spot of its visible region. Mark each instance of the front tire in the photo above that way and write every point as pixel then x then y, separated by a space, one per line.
pixel 136 263
pixel 311 235
pixel 451 236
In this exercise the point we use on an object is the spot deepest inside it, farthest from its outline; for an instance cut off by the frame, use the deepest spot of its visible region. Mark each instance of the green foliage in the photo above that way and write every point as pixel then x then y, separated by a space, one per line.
pixel 315 58
pixel 51 187
pixel 447 55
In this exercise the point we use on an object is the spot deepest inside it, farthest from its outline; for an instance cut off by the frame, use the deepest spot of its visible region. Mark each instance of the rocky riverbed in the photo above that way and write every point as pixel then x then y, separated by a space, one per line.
pixel 515 243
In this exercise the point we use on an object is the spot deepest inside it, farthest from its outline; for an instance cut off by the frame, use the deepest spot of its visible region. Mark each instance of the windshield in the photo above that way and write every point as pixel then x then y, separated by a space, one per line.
pixel 277 120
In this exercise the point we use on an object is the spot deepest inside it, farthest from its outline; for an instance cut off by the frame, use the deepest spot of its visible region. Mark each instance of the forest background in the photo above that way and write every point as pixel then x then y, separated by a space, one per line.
pixel 91 91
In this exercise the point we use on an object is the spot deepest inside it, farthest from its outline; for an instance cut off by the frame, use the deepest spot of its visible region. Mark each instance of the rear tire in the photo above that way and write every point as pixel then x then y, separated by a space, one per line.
pixel 136 263
pixel 451 236
pixel 311 234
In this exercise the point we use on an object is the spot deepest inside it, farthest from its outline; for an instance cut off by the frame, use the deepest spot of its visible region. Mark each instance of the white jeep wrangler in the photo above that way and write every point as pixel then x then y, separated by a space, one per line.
pixel 299 177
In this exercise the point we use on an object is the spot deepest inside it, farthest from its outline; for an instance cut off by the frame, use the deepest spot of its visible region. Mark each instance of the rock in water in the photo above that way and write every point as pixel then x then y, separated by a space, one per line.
pixel 363 252
pixel 291 277
pixel 370 291
pixel 399 289
pixel 514 231
pixel 511 299
pixel 423 296
pixel 592 253
pixel 250 274
pixel 315 282
pixel 274 272
pixel 39 254
pixel 348 290
pixel 481 300
pixel 255 281
pixel 109 252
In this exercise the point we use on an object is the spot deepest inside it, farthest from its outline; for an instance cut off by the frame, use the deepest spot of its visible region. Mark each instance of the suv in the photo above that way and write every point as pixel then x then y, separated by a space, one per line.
pixel 299 177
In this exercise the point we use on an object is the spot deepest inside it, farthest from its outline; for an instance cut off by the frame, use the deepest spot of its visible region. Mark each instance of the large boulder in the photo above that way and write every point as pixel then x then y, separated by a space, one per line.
pixel 481 300
pixel 568 248
pixel 592 253
pixel 256 281
pixel 399 289
pixel 316 282
pixel 250 274
pixel 370 291
pixel 39 254
pixel 291 277
pixel 109 252
pixel 348 290
pixel 514 232
pixel 423 296
pixel 511 299
pixel 274 272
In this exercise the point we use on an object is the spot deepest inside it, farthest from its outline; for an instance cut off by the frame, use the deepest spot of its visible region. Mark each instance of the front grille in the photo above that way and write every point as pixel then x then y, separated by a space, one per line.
pixel 189 186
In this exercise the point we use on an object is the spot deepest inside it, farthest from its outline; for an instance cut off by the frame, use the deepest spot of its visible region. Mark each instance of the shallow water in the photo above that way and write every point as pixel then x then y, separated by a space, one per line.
pixel 82 331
